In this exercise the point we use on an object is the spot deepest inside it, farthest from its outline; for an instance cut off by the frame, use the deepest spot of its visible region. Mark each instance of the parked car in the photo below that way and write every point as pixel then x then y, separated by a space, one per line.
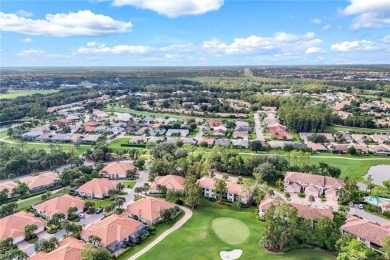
pixel 82 216
pixel 99 210
pixel 350 204
pixel 361 206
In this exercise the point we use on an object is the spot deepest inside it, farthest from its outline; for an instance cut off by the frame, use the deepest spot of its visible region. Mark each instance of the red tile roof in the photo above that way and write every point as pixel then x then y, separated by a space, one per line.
pixel 117 168
pixel 149 208
pixel 13 225
pixel 68 249
pixel 97 186
pixel 59 204
pixel 173 182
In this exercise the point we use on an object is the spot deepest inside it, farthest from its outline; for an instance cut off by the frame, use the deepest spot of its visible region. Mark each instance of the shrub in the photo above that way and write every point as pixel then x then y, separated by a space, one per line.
pixel 294 247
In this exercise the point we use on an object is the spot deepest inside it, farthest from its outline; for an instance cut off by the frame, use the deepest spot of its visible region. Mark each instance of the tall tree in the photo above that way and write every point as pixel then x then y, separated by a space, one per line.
pixel 91 252
pixel 220 189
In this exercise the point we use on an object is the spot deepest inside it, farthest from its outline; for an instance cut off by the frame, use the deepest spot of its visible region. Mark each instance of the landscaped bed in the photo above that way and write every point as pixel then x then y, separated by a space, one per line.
pixel 198 240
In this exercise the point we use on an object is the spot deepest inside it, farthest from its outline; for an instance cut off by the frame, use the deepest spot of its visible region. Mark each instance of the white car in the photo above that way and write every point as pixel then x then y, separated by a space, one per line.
pixel 361 206
pixel 82 216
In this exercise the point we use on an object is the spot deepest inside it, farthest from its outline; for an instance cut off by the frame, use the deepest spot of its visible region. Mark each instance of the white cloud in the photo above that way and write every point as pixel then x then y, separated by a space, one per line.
pixel 31 52
pixel 23 13
pixel 312 50
pixel 27 40
pixel 316 21
pixel 81 23
pixel 280 40
pixel 100 48
pixel 363 45
pixel 326 27
pixel 174 8
pixel 370 14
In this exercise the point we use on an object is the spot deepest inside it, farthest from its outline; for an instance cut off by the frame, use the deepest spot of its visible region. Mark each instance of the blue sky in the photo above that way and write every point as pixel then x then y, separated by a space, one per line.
pixel 193 32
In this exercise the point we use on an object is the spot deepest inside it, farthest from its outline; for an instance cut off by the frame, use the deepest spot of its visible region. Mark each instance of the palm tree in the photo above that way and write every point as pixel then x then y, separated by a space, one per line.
pixel 311 199
pixel 94 240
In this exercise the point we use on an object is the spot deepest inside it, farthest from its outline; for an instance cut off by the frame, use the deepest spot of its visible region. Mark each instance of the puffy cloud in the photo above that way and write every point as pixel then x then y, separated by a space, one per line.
pixel 363 45
pixel 370 14
pixel 27 40
pixel 24 13
pixel 280 40
pixel 312 50
pixel 326 27
pixel 174 8
pixel 81 23
pixel 100 48
pixel 31 52
pixel 316 21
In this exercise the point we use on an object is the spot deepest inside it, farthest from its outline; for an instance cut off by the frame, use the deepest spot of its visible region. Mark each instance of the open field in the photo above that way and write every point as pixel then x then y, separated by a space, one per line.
pixel 45 146
pixel 100 202
pixel 18 93
pixel 352 166
pixel 160 115
pixel 197 239
pixel 128 184
pixel 334 128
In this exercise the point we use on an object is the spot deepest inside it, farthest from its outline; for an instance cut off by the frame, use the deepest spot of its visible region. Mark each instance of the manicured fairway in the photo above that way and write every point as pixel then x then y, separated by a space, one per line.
pixel 231 230
pixel 198 240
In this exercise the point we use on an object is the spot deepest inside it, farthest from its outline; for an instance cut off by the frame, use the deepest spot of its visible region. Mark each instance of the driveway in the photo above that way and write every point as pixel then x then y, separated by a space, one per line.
pixel 368 216
pixel 143 178
pixel 259 131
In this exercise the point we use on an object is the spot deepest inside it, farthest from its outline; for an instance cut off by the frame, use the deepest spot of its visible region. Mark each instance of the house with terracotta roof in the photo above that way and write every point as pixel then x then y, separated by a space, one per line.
pixel 115 230
pixel 240 134
pixel 116 170
pixel 172 182
pixel 316 147
pixel 208 141
pixel 67 249
pixel 215 122
pixel 312 184
pixel 234 190
pixel 96 188
pixel 41 181
pixel 147 210
pixel 304 211
pixel 59 204
pixel 12 226
pixel 372 234
pixel 9 186
pixel 283 135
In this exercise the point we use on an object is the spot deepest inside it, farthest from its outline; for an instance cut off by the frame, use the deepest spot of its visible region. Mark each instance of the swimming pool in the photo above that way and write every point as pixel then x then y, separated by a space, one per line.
pixel 375 201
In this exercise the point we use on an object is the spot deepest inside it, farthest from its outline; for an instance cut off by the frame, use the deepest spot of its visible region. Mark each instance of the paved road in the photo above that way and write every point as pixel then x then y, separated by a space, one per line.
pixel 143 178
pixel 259 131
pixel 365 215
pixel 176 226
pixel 199 134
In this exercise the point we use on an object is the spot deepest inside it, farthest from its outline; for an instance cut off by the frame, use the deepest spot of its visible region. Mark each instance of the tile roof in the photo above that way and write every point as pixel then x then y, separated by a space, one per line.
pixel 314 179
pixel 97 186
pixel 369 231
pixel 9 185
pixel 149 208
pixel 304 211
pixel 118 168
pixel 68 249
pixel 13 225
pixel 170 181
pixel 59 204
pixel 113 228
pixel 209 183
pixel 43 179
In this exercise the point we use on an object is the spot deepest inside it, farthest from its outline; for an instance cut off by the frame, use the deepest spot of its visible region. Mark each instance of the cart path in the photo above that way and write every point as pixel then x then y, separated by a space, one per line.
pixel 176 226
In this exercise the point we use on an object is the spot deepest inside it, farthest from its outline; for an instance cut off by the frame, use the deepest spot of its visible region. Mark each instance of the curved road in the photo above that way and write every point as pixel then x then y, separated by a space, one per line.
pixel 176 226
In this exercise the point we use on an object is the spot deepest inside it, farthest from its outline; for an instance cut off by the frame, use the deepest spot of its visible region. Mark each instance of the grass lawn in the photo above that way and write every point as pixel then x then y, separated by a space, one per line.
pixel 197 240
pixel 128 183
pixel 351 168
pixel 159 230
pixel 334 128
pixel 45 146
pixel 100 202
pixel 18 93
pixel 161 115
pixel 24 204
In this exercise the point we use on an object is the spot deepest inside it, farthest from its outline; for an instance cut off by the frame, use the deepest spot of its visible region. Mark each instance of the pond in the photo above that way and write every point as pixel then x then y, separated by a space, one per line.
pixel 379 173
